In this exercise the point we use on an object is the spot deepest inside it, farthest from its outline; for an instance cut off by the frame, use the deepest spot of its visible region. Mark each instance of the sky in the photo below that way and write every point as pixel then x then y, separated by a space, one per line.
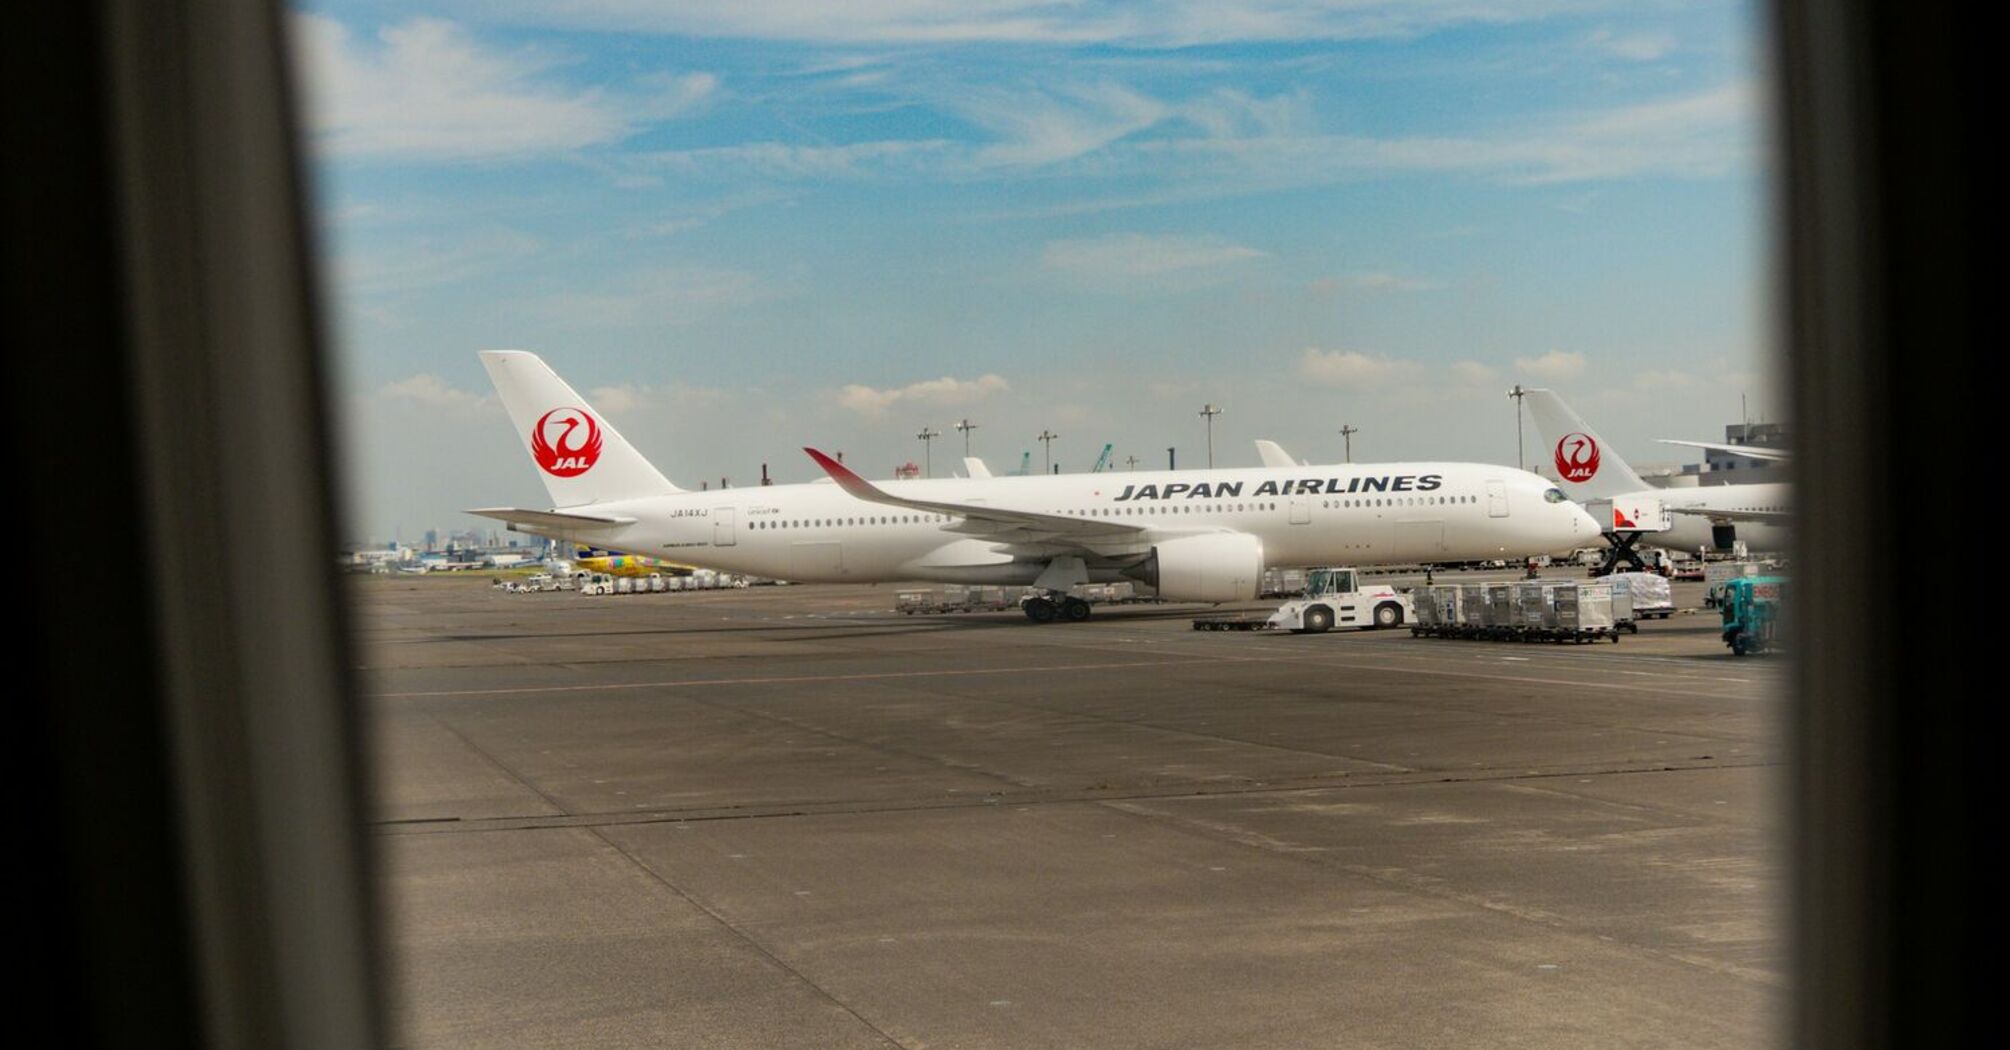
pixel 741 229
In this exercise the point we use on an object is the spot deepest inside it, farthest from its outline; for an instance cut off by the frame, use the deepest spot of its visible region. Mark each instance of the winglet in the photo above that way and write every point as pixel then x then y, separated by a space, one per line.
pixel 846 479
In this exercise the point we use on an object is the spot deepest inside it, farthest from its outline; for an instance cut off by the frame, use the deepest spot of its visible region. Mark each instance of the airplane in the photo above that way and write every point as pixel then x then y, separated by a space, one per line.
pixel 1706 516
pixel 1196 535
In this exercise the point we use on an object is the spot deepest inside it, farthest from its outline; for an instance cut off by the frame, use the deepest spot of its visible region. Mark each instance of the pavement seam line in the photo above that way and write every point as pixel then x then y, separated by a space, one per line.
pixel 744 937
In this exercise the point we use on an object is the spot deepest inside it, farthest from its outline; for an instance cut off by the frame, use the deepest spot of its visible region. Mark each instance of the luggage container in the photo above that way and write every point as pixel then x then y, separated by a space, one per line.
pixel 1647 595
pixel 1583 613
pixel 1532 611
pixel 1500 610
pixel 1428 606
pixel 1472 610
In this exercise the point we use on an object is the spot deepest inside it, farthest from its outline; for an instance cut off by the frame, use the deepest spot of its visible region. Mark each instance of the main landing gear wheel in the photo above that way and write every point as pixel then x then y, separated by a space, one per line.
pixel 1388 614
pixel 1074 610
pixel 1041 610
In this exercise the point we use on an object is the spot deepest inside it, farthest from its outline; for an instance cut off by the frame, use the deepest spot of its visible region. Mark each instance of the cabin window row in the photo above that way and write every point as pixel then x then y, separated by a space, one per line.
pixel 826 523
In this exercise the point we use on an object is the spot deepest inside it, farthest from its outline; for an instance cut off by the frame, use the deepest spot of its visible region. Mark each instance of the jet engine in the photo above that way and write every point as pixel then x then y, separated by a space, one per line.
pixel 1216 567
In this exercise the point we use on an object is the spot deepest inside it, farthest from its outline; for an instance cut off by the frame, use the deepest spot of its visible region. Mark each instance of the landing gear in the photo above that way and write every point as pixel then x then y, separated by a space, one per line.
pixel 1047 610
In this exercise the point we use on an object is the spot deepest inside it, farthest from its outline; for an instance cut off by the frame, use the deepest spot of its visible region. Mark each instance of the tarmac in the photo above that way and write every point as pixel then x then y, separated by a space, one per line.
pixel 789 817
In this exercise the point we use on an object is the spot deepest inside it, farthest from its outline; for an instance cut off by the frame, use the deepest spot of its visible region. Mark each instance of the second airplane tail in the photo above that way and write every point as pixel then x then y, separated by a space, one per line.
pixel 1587 467
pixel 580 457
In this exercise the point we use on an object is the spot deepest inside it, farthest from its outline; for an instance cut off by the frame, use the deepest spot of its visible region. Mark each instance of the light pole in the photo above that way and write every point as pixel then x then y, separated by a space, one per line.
pixel 928 437
pixel 1347 432
pixel 966 426
pixel 1131 462
pixel 1208 412
pixel 1518 393
pixel 1047 457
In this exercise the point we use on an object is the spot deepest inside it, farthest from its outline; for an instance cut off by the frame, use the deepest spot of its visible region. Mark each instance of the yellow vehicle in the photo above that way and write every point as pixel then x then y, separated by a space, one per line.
pixel 633 566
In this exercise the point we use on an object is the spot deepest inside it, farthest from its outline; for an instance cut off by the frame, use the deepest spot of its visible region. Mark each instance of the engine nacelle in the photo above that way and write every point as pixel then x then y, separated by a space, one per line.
pixel 1217 567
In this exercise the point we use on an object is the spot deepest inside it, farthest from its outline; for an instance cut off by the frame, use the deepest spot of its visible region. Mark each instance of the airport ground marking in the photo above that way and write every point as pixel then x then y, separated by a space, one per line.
pixel 683 683
pixel 1039 796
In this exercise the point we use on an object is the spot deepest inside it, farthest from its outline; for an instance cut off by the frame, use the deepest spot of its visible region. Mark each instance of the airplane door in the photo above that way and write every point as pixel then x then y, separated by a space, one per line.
pixel 1301 510
pixel 1497 499
pixel 723 532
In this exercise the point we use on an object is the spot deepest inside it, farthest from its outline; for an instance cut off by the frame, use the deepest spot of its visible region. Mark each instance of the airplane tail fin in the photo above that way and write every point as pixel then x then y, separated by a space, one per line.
pixel 579 456
pixel 1273 455
pixel 1587 466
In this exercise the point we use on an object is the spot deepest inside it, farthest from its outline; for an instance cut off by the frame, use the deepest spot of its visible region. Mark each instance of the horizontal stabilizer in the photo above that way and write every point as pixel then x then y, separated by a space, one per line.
pixel 1723 516
pixel 552 519
pixel 1748 451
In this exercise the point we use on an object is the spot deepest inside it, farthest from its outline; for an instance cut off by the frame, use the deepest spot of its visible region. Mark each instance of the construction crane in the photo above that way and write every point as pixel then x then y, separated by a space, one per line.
pixel 1102 461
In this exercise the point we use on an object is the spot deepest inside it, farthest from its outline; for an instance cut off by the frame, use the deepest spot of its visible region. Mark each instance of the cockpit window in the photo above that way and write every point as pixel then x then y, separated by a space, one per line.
pixel 1553 495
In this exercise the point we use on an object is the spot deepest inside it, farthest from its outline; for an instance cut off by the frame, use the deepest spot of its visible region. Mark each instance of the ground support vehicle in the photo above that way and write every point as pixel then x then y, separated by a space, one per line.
pixel 1751 613
pixel 1333 598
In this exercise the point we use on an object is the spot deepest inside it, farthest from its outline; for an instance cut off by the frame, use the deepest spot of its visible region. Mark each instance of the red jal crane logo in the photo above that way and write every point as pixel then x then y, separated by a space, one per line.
pixel 1576 457
pixel 553 445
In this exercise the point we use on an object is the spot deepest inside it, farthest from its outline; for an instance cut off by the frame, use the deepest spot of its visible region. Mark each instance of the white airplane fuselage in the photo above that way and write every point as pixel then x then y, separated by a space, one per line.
pixel 1354 514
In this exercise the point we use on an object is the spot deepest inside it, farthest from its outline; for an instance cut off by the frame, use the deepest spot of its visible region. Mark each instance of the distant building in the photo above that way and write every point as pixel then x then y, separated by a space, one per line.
pixel 1758 435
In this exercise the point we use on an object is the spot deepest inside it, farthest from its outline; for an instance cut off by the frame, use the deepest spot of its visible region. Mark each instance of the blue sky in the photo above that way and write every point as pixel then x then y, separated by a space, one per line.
pixel 747 228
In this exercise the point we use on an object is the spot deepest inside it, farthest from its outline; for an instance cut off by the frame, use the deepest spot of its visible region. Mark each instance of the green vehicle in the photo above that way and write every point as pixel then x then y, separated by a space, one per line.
pixel 1751 611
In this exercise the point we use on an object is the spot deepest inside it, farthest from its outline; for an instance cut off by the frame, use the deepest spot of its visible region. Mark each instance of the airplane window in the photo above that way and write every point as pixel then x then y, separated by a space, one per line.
pixel 1554 495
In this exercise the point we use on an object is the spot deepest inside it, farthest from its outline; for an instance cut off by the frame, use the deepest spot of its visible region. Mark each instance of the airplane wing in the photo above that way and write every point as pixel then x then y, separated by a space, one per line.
pixel 1756 517
pixel 552 519
pixel 1273 454
pixel 1750 451
pixel 992 523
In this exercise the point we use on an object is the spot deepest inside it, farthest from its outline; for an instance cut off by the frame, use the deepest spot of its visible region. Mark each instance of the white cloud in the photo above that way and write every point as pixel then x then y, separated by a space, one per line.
pixel 663 295
pixel 1130 255
pixel 432 391
pixel 1662 379
pixel 1634 47
pixel 430 260
pixel 424 90
pixel 1372 282
pixel 1471 373
pixel 1555 365
pixel 781 160
pixel 1700 135
pixel 1042 128
pixel 1350 367
pixel 945 392
pixel 1178 24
